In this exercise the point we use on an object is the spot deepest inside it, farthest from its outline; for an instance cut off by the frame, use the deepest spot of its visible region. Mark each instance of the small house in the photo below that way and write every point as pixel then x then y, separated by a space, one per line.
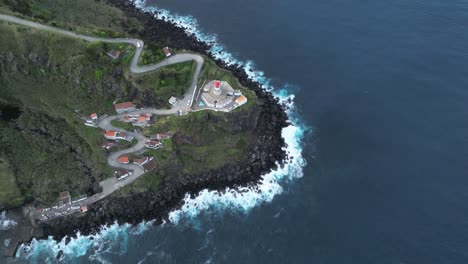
pixel 114 135
pixel 115 54
pixel 149 166
pixel 64 198
pixel 172 100
pixel 124 107
pixel 241 100
pixel 153 144
pixel 142 161
pixel 167 51
pixel 122 174
pixel 142 120
pixel 123 159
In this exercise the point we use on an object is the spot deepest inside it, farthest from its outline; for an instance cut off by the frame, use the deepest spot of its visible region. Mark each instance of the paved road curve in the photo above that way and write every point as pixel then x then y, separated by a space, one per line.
pixel 110 185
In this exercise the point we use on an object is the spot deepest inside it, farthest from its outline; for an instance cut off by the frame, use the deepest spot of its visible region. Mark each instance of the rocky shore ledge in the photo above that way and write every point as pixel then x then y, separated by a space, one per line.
pixel 266 149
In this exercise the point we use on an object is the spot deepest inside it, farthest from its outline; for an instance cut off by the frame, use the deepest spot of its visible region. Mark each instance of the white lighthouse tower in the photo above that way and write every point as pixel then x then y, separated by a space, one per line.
pixel 217 87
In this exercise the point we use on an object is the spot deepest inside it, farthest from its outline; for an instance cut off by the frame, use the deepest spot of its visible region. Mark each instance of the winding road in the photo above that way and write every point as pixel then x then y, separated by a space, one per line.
pixel 110 185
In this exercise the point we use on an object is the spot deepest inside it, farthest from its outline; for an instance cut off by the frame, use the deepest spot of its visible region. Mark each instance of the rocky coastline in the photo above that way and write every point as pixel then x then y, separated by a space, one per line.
pixel 265 151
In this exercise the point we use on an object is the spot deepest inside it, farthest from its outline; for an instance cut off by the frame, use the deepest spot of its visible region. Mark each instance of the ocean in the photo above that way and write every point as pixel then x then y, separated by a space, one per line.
pixel 379 139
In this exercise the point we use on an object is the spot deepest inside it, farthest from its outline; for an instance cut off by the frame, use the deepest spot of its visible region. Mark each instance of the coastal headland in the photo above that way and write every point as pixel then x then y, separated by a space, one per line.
pixel 264 121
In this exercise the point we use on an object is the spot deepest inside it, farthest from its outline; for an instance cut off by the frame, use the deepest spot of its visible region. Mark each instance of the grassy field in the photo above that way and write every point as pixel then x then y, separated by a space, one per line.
pixel 10 194
pixel 172 80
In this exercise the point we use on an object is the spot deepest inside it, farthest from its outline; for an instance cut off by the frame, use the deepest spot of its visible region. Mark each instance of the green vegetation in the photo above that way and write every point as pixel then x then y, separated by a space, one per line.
pixel 151 54
pixel 10 195
pixel 123 144
pixel 199 144
pixel 47 156
pixel 92 17
pixel 122 125
pixel 60 80
pixel 172 80
pixel 54 81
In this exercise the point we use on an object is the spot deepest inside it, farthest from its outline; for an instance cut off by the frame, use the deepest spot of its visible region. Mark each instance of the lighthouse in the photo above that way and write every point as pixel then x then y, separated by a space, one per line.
pixel 217 87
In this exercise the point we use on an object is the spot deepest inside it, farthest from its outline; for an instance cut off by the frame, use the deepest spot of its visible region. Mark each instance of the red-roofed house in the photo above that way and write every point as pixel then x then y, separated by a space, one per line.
pixel 123 159
pixel 240 100
pixel 142 120
pixel 93 116
pixel 111 134
pixel 124 107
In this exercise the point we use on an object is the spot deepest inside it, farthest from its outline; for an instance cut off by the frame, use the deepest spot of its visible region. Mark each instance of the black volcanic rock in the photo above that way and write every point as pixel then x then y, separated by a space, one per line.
pixel 267 119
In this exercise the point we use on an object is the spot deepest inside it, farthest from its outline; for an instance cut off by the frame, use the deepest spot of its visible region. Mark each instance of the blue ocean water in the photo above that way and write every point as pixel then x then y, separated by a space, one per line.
pixel 382 86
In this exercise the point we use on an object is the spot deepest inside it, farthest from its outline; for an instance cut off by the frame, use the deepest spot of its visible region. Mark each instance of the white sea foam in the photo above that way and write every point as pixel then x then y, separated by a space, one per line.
pixel 110 239
pixel 5 222
pixel 113 238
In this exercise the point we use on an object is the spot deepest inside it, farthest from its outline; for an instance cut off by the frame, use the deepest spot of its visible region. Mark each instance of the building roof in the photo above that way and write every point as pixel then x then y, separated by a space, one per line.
pixel 152 143
pixel 64 195
pixel 142 118
pixel 166 50
pixel 123 159
pixel 114 54
pixel 120 173
pixel 217 84
pixel 149 166
pixel 241 99
pixel 172 100
pixel 124 105
pixel 93 115
pixel 111 133
pixel 142 161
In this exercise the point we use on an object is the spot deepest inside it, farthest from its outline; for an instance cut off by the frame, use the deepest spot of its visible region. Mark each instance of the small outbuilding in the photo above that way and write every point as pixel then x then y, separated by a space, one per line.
pixel 64 198
pixel 167 51
pixel 173 100
pixel 115 54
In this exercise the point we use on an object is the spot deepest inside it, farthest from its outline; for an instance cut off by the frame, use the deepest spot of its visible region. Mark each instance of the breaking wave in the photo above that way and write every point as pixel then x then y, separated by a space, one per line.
pixel 113 239
pixel 5 222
